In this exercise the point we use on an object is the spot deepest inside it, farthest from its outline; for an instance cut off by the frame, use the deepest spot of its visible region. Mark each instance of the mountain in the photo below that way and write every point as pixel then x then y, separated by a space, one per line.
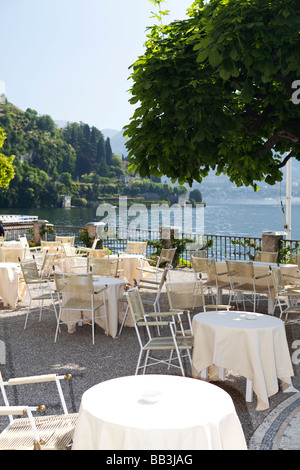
pixel 117 141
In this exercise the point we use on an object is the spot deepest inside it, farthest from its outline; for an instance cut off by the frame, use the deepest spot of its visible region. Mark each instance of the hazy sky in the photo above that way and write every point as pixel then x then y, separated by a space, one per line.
pixel 70 58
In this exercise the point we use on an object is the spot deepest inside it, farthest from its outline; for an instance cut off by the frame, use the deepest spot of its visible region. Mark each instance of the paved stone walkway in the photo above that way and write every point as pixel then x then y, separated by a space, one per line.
pixel 281 429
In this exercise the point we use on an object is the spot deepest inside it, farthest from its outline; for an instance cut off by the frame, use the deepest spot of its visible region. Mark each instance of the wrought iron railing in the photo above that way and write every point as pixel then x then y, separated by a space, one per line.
pixel 220 246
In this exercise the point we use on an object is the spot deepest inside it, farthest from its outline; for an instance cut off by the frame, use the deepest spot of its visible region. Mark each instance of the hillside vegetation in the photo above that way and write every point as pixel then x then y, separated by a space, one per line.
pixel 75 160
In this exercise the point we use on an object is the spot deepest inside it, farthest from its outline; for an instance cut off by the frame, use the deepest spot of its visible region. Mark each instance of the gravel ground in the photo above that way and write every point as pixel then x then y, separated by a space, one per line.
pixel 32 351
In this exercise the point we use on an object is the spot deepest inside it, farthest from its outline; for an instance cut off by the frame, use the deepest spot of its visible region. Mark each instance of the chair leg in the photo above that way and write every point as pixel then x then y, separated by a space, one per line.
pixel 124 322
pixel 139 361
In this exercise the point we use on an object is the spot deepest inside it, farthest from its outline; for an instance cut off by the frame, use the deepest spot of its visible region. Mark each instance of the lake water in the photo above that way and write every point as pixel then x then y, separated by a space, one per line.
pixel 219 219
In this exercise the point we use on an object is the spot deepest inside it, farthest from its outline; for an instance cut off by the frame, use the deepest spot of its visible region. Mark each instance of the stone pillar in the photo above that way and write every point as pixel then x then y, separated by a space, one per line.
pixel 96 230
pixel 271 241
pixel 37 225
pixel 167 234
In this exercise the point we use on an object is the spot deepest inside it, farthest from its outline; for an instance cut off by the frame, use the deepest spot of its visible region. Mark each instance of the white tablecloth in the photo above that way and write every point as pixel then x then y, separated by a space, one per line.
pixel 113 295
pixel 256 349
pixel 10 289
pixel 190 414
pixel 130 264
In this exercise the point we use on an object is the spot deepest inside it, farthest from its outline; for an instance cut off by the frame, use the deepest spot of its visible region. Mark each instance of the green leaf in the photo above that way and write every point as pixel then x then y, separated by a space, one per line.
pixel 215 58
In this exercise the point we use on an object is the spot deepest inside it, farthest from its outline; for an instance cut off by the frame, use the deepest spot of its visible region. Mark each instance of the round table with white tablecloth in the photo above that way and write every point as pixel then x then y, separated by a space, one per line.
pixel 250 344
pixel 157 412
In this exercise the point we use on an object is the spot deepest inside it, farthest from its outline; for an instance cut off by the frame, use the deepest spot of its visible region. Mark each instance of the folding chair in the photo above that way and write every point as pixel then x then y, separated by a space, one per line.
pixel 41 433
pixel 152 344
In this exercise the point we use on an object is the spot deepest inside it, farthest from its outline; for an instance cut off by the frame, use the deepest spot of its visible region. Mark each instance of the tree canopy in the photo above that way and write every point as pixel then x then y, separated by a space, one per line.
pixel 214 91
pixel 6 165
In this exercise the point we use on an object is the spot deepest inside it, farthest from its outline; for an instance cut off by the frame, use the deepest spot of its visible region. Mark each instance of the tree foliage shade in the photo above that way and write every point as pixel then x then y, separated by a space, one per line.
pixel 214 91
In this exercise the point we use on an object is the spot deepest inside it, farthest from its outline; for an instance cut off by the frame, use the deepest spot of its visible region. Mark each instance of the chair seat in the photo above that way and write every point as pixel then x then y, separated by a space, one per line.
pixel 249 288
pixel 81 304
pixel 57 431
pixel 167 342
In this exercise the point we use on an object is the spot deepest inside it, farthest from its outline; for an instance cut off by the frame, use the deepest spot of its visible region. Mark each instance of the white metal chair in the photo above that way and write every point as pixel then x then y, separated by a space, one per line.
pixel 284 295
pixel 152 286
pixel 154 344
pixel 136 248
pixel 243 281
pixel 205 270
pixel 41 433
pixel 38 288
pixel 166 257
pixel 106 267
pixel 78 294
pixel 187 296
pixel 70 239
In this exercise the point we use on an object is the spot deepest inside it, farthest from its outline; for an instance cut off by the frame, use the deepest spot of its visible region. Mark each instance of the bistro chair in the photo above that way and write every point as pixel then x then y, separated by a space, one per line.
pixel 79 295
pixel 48 432
pixel 73 259
pixel 38 288
pixel 266 256
pixel 284 295
pixel 205 270
pixel 166 257
pixel 151 287
pixel 243 281
pixel 153 344
pixel 70 240
pixel 136 248
pixel 104 267
pixel 186 298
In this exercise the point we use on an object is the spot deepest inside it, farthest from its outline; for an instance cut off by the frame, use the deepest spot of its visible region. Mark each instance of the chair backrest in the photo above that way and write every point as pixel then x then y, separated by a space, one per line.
pixel 74 285
pixel 205 266
pixel 197 254
pixel 99 253
pixel 51 247
pixel 185 295
pixel 30 271
pixel 166 256
pixel 70 240
pixel 240 270
pixel 48 263
pixel 68 250
pixel 24 242
pixel 278 281
pixel 138 248
pixel 266 256
pixel 11 255
pixel 135 304
pixel 102 266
